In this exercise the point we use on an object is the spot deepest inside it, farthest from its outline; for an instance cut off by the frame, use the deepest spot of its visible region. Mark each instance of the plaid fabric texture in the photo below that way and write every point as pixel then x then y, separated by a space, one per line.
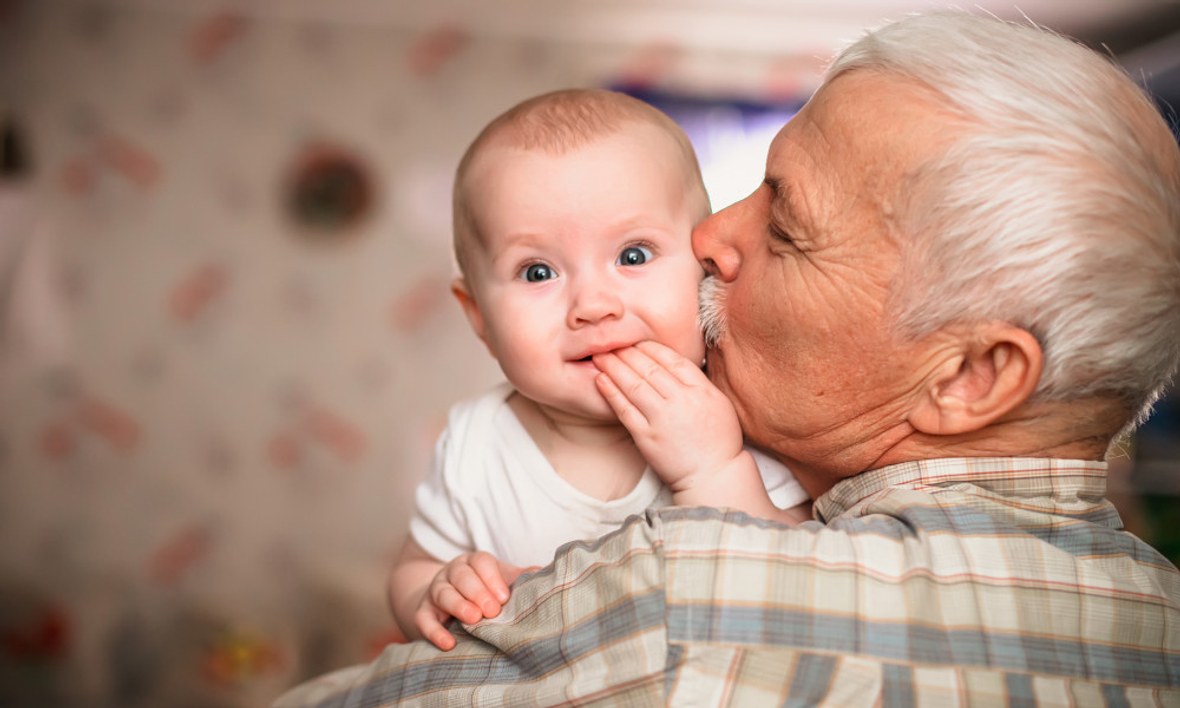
pixel 957 581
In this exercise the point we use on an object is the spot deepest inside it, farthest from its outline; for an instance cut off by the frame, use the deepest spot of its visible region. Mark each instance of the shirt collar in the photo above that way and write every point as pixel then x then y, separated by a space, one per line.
pixel 1008 476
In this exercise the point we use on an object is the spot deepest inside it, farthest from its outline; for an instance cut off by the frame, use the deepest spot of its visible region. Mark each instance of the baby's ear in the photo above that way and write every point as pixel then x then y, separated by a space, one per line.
pixel 993 368
pixel 462 293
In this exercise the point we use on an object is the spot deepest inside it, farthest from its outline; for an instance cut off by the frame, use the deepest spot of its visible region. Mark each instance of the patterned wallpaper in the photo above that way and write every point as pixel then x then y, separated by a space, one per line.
pixel 213 415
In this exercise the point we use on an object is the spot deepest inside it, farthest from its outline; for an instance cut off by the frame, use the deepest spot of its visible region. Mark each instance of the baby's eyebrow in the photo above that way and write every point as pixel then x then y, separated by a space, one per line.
pixel 515 246
pixel 525 240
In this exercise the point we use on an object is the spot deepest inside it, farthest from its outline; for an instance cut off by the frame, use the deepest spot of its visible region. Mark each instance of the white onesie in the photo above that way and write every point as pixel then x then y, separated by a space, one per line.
pixel 491 489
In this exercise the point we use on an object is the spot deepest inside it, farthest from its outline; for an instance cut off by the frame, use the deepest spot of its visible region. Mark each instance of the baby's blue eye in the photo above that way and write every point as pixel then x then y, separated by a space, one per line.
pixel 634 255
pixel 537 272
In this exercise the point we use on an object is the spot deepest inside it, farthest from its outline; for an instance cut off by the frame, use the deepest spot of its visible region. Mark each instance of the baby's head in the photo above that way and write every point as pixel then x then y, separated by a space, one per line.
pixel 573 214
pixel 557 123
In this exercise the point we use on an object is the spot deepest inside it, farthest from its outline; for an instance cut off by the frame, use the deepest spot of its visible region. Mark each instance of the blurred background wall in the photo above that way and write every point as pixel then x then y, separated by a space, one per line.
pixel 226 337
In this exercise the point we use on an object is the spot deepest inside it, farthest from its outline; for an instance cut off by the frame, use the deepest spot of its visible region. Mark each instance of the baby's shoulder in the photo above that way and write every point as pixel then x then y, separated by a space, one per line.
pixel 478 430
pixel 479 411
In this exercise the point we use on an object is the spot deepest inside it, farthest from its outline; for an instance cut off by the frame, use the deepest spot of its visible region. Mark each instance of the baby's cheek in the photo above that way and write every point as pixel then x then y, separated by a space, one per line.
pixel 689 343
pixel 696 350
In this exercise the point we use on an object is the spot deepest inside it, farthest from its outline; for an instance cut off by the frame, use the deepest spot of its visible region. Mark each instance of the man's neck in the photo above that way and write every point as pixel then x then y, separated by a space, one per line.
pixel 1077 430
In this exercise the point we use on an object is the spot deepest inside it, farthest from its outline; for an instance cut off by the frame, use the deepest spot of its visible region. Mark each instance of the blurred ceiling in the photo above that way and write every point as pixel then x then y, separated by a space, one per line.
pixel 760 25
pixel 1145 34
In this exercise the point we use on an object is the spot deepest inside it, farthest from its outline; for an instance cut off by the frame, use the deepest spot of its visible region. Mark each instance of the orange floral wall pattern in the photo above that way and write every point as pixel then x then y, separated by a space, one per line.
pixel 213 415
pixel 227 342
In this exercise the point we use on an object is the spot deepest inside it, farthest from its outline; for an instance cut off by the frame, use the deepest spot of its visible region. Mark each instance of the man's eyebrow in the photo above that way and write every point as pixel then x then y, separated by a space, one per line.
pixel 781 204
pixel 776 185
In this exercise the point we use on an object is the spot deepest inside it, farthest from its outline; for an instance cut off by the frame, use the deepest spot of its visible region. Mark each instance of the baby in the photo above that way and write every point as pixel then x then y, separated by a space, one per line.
pixel 573 213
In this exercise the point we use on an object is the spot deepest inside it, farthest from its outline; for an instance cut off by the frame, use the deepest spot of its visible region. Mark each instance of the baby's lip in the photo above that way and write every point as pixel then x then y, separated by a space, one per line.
pixel 600 349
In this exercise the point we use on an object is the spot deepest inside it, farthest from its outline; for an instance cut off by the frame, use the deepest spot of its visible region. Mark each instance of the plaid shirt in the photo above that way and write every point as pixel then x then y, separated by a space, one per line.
pixel 955 581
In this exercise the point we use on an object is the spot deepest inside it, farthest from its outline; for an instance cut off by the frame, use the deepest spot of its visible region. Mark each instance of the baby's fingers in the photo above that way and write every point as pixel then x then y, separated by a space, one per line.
pixel 447 598
pixel 488 569
pixel 686 372
pixel 629 380
pixel 465 579
pixel 630 416
pixel 429 622
pixel 645 380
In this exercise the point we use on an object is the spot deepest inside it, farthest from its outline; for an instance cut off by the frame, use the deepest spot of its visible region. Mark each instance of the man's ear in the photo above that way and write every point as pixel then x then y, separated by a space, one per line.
pixel 993 371
pixel 462 293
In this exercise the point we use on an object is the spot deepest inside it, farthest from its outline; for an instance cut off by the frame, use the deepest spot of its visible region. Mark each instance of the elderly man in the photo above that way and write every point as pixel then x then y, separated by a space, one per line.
pixel 958 282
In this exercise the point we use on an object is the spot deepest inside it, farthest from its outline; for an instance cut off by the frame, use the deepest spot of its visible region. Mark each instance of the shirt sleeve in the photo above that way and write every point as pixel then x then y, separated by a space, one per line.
pixel 439 524
pixel 588 628
pixel 784 490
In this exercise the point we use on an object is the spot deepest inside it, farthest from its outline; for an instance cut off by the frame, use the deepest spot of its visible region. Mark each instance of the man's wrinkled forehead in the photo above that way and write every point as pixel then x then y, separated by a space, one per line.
pixel 798 168
pixel 841 123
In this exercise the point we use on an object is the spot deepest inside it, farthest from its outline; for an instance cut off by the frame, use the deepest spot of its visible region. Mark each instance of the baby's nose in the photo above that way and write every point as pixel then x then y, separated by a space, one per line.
pixel 592 303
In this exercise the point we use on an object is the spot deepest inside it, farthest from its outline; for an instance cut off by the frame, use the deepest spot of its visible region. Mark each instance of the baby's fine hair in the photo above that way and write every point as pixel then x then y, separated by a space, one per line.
pixel 556 123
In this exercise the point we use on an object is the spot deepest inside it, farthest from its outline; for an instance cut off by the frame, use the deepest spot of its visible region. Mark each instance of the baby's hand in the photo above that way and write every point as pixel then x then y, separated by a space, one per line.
pixel 471 587
pixel 685 427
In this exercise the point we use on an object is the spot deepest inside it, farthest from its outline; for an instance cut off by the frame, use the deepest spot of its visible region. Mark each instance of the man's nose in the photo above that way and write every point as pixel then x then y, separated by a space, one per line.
pixel 713 243
pixel 594 301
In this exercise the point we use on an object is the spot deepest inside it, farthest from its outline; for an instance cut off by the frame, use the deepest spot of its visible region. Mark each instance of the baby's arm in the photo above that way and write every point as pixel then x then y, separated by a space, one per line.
pixel 425 592
pixel 686 429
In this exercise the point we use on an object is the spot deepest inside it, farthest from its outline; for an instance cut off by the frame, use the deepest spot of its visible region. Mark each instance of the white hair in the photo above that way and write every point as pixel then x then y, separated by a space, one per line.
pixel 1056 209
pixel 711 311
